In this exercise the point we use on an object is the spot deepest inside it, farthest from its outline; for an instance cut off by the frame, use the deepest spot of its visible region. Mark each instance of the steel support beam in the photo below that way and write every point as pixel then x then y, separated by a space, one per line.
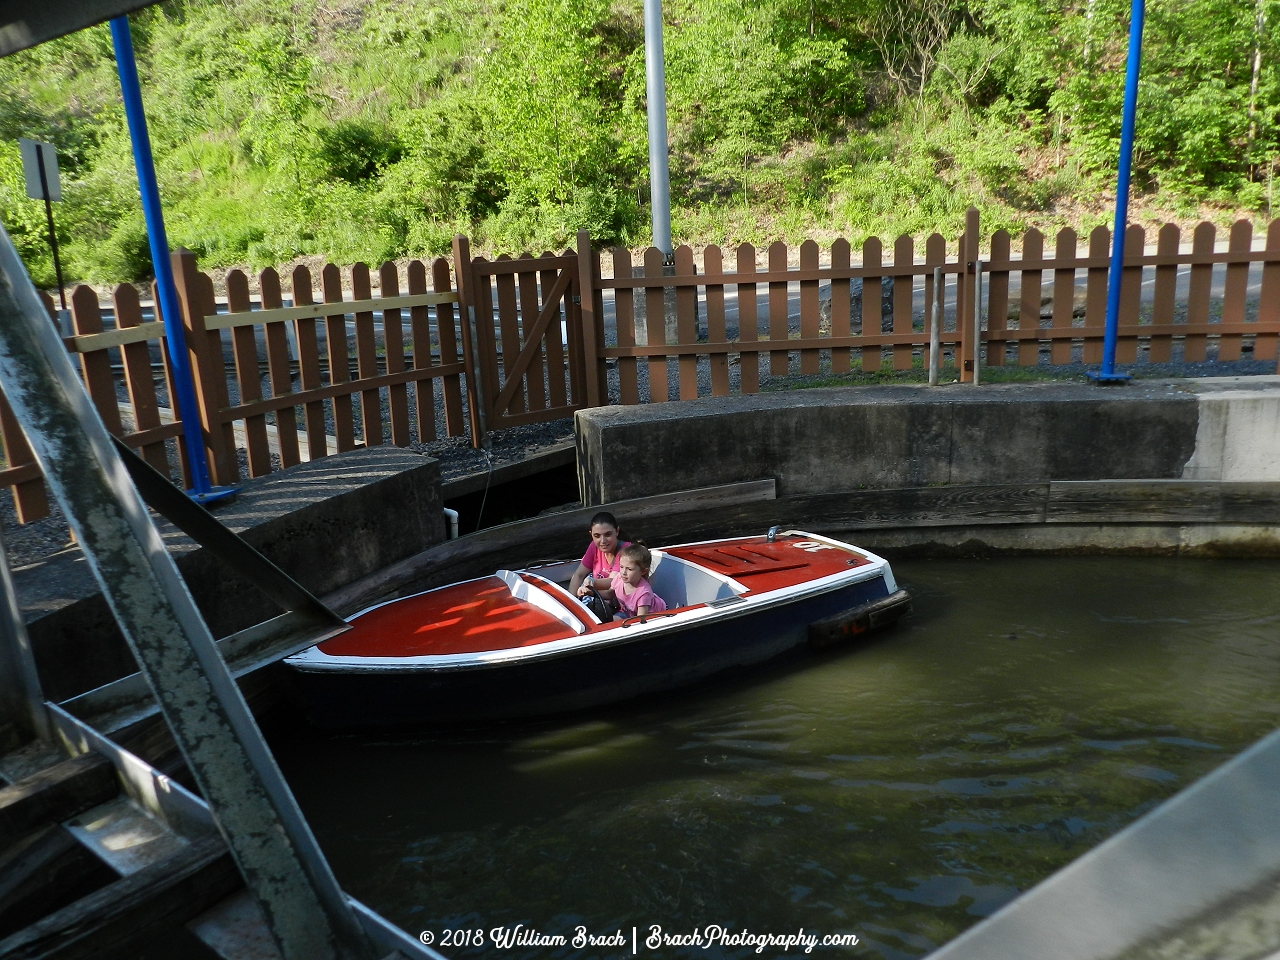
pixel 282 865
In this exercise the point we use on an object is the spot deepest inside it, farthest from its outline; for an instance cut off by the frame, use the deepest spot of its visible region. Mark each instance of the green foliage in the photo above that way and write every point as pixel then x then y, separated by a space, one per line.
pixel 367 129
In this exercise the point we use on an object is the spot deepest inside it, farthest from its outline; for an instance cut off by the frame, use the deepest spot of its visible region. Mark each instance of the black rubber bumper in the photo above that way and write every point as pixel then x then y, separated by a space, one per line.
pixel 860 619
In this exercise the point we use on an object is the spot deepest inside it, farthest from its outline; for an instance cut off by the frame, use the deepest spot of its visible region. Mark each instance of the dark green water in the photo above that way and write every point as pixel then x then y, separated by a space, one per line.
pixel 899 790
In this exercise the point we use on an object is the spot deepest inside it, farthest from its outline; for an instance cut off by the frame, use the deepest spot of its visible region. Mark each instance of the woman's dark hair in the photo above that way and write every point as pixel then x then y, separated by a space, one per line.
pixel 606 518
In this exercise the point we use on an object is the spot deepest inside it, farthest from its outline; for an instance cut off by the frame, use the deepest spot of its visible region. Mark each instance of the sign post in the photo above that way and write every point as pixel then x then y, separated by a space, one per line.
pixel 40 170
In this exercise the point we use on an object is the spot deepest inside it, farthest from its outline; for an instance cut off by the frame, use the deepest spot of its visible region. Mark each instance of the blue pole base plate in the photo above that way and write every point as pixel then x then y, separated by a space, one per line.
pixel 1107 379
pixel 214 495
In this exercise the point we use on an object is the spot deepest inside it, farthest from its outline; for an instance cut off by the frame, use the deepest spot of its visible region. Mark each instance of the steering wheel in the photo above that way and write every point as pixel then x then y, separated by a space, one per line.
pixel 604 604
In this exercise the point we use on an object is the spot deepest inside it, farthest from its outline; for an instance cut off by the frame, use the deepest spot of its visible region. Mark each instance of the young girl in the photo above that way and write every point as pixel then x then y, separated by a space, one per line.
pixel 600 561
pixel 630 588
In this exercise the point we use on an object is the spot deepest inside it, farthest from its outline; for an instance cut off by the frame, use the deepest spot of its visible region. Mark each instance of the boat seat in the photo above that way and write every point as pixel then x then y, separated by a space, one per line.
pixel 684 584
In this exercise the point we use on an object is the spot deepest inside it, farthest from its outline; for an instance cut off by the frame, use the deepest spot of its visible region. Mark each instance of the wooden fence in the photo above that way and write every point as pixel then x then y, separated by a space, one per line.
pixel 493 344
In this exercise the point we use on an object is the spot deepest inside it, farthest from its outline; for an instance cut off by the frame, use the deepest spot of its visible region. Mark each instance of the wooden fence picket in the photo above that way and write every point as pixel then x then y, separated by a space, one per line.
pixel 748 322
pixel 841 305
pixel 713 268
pixel 338 350
pixel 935 255
pixel 871 299
pixel 446 332
pixel 139 381
pixel 810 321
pixel 1264 344
pixel 1030 297
pixel 554 339
pixel 779 360
pixel 655 326
pixel 95 365
pixel 1064 296
pixel 624 312
pixel 903 299
pixel 1163 299
pixel 393 350
pixel 1095 303
pixel 1135 239
pixel 997 301
pixel 424 399
pixel 279 374
pixel 309 366
pixel 530 307
pixel 1235 289
pixel 366 358
pixel 1199 291
pixel 686 325
pixel 244 344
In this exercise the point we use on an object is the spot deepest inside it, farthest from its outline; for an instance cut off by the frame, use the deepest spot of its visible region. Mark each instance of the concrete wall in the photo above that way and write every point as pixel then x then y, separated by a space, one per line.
pixel 894 437
pixel 326 523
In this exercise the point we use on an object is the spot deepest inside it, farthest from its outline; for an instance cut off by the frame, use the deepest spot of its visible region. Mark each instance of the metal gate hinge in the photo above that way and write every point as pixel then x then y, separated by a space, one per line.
pixel 577 299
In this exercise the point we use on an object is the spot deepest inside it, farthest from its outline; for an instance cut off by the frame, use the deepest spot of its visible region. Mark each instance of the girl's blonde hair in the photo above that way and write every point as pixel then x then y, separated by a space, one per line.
pixel 638 554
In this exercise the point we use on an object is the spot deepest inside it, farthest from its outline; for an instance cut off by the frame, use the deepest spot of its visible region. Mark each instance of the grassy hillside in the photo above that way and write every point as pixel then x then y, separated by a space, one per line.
pixel 368 129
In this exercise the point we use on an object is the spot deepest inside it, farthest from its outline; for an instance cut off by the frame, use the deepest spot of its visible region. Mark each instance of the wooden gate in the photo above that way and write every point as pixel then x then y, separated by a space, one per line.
pixel 526 350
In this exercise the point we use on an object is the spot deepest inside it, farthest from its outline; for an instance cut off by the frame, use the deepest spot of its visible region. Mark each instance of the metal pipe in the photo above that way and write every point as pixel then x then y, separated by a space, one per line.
pixel 1108 372
pixel 452 517
pixel 131 91
pixel 935 328
pixel 278 857
pixel 656 93
pixel 977 320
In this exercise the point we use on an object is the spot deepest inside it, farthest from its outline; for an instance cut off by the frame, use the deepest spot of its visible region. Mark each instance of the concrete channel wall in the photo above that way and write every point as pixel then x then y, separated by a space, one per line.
pixel 1187 466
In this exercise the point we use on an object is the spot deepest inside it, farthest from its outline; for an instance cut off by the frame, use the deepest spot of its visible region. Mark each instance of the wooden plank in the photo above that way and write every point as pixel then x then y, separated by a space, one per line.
pixel 91 342
pixel 424 394
pixel 779 361
pixel 125 915
pixel 1064 297
pixel 810 319
pixel 95 367
pixel 591 293
pixel 509 326
pixel 935 255
pixel 488 346
pixel 367 358
pixel 997 302
pixel 713 267
pixel 1160 350
pixel 447 318
pixel 950 506
pixel 1095 302
pixel 309 368
pixel 1135 238
pixel 44 872
pixel 530 308
pixel 55 793
pixel 340 390
pixel 840 306
pixel 624 321
pixel 1198 291
pixel 225 321
pixel 505 265
pixel 533 348
pixel 139 381
pixel 166 361
pixel 23 477
pixel 208 368
pixel 1250 503
pixel 903 299
pixel 965 306
pixel 244 345
pixel 748 322
pixel 1134 501
pixel 687 324
pixel 871 320
pixel 1235 290
pixel 336 346
pixel 279 374
pixel 1029 298
pixel 578 369
pixel 393 349
pixel 553 347
pixel 1264 344
pixel 655 324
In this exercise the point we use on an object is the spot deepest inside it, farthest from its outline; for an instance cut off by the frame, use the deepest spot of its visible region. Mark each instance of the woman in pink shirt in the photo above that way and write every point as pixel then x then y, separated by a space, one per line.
pixel 630 588
pixel 600 561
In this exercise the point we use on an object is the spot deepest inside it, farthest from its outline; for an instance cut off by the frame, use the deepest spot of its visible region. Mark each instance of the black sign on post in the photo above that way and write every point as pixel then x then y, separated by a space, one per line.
pixel 40 170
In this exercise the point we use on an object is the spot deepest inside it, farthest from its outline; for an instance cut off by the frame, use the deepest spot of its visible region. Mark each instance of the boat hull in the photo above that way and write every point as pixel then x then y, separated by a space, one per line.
pixel 653 662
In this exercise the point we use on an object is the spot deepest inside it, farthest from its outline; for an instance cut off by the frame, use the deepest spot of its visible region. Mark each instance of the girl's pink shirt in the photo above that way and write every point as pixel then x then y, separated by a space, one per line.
pixel 642 596
pixel 594 560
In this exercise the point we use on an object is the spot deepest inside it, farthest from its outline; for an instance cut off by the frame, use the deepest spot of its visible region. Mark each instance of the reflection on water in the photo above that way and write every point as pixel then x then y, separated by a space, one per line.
pixel 899 790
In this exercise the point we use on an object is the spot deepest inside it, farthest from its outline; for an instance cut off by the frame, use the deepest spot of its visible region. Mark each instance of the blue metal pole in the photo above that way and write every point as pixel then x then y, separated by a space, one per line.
pixel 167 291
pixel 1108 372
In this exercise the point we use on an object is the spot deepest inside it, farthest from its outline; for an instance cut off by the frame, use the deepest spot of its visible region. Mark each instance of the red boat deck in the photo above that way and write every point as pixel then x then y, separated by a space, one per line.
pixel 761 566
pixel 479 616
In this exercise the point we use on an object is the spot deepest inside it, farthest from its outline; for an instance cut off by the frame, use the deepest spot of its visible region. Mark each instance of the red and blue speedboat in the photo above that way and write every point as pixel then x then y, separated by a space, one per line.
pixel 518 644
